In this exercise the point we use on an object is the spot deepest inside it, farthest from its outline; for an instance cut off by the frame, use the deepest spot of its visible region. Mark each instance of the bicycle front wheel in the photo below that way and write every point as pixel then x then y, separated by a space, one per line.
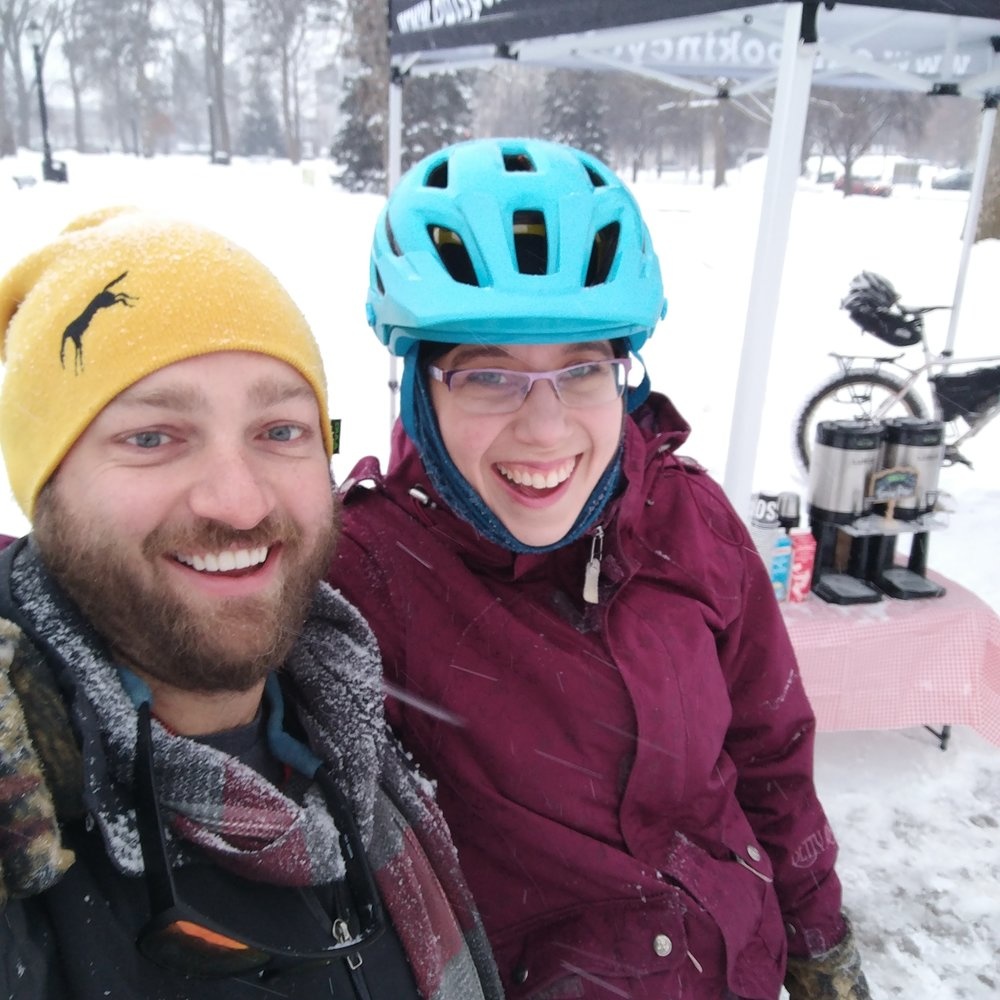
pixel 853 395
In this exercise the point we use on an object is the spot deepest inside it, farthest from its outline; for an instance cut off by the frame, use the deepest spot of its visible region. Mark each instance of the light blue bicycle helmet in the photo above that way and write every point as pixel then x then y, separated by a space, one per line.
pixel 514 241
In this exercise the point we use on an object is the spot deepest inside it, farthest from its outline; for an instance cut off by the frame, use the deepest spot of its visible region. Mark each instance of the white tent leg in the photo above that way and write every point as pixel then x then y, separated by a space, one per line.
pixel 791 102
pixel 972 216
pixel 395 170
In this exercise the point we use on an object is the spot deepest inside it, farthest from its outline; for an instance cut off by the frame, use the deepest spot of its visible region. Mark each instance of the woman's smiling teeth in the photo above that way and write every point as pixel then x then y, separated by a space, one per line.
pixel 535 478
pixel 225 562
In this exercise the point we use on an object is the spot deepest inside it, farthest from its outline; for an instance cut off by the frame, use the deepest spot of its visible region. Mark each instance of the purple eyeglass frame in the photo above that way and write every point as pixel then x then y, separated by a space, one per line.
pixel 440 375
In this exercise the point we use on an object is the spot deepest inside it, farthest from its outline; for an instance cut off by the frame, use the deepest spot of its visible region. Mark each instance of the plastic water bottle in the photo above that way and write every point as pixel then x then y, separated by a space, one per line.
pixel 781 565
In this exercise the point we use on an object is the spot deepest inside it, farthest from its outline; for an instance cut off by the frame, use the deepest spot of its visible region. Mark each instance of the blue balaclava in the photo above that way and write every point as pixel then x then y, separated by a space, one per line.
pixel 421 424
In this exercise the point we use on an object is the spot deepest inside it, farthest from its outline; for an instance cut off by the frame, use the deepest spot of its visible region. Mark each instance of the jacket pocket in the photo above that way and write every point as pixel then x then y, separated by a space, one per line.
pixel 737 892
pixel 614 939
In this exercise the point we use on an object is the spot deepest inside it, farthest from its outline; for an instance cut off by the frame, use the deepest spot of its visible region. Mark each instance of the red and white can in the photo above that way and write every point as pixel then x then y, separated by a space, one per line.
pixel 803 557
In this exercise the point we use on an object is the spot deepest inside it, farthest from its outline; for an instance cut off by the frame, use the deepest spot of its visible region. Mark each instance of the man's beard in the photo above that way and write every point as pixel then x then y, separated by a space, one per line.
pixel 197 645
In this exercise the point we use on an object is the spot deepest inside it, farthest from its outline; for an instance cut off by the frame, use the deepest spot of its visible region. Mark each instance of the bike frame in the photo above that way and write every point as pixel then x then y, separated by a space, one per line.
pixel 934 364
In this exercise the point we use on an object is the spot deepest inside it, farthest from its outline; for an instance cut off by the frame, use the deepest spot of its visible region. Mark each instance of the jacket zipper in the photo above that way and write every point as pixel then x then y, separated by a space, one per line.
pixel 592 574
pixel 353 962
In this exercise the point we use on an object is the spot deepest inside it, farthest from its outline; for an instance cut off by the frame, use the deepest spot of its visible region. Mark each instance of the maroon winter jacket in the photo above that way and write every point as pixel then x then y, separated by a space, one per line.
pixel 629 784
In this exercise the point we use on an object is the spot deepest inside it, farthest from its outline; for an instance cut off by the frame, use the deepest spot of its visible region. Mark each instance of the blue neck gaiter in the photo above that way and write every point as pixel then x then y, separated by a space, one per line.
pixel 422 426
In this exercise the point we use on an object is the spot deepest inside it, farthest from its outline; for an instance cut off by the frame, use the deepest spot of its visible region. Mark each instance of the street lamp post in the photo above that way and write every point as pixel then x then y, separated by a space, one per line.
pixel 210 106
pixel 52 170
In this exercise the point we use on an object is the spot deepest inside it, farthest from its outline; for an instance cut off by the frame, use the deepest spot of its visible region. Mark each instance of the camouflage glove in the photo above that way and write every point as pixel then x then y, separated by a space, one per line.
pixel 834 975
pixel 40 769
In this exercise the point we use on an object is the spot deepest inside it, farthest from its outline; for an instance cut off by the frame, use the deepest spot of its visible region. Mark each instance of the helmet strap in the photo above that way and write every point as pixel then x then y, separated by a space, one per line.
pixel 634 398
pixel 421 424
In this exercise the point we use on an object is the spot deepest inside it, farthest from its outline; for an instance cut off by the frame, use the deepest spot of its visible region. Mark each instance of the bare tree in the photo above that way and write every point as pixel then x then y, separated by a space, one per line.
pixel 213 23
pixel 635 125
pixel 283 27
pixel 14 18
pixel 951 129
pixel 75 53
pixel 510 100
pixel 8 146
pixel 846 123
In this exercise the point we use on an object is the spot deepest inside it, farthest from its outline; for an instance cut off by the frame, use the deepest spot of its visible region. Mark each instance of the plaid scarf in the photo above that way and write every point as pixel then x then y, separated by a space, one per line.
pixel 210 799
pixel 336 690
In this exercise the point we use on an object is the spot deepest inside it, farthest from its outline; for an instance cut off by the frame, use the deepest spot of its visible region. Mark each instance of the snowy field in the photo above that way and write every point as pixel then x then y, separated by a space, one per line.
pixel 919 829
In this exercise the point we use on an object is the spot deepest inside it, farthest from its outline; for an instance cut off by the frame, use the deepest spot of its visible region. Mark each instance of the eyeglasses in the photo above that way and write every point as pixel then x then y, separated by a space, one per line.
pixel 181 938
pixel 501 390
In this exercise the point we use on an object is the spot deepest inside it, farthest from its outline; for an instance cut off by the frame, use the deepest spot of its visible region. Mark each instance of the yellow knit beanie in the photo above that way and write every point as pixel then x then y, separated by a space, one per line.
pixel 120 295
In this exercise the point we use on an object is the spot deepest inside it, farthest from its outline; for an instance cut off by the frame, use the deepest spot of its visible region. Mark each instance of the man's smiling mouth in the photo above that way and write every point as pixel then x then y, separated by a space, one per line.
pixel 225 562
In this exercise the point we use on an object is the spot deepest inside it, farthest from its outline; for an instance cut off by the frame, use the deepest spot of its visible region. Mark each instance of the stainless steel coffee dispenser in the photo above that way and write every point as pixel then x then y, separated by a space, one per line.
pixel 914 454
pixel 845 455
pixel 917 444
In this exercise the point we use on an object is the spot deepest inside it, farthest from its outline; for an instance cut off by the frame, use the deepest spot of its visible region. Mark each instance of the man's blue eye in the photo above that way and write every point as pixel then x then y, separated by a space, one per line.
pixel 286 432
pixel 148 439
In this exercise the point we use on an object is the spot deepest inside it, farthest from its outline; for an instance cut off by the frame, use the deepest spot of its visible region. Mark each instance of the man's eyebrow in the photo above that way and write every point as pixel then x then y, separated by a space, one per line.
pixel 187 399
pixel 171 397
pixel 273 391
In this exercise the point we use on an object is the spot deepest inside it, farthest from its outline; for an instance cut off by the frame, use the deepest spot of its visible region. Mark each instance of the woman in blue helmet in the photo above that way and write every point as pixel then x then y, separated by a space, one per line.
pixel 581 644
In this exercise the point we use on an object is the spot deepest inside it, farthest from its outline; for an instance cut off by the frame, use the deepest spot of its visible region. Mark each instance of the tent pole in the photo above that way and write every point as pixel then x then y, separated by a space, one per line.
pixel 972 214
pixel 791 102
pixel 394 172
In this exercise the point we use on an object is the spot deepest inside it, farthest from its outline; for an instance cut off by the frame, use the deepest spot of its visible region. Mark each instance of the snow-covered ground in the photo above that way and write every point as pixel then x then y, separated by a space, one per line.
pixel 919 829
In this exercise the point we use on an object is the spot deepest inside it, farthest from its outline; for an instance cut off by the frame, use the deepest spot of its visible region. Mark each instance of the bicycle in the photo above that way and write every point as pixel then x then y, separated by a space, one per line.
pixel 880 387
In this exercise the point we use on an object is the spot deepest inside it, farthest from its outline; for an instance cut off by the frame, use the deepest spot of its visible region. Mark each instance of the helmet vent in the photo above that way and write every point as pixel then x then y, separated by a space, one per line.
pixel 531 243
pixel 438 177
pixel 518 163
pixel 454 256
pixel 602 255
pixel 391 237
pixel 595 178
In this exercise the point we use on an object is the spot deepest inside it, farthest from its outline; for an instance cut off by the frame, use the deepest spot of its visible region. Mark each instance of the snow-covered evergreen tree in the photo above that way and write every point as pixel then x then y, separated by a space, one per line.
pixel 260 130
pixel 435 113
pixel 577 106
pixel 359 146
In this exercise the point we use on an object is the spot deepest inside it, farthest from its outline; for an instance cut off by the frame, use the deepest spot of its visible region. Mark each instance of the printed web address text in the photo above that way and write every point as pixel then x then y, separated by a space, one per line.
pixel 430 14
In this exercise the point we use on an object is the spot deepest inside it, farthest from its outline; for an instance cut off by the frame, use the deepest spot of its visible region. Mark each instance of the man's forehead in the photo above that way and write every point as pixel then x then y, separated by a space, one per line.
pixel 195 383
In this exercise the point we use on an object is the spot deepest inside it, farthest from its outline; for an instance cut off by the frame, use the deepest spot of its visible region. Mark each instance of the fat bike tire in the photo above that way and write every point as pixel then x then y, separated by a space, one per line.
pixel 853 395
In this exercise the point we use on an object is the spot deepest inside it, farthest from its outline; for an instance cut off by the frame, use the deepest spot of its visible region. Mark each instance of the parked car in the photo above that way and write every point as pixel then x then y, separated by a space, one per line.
pixel 953 180
pixel 865 185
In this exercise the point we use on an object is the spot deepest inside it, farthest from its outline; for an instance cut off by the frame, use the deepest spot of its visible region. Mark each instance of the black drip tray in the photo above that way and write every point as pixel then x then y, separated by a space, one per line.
pixel 905 585
pixel 839 588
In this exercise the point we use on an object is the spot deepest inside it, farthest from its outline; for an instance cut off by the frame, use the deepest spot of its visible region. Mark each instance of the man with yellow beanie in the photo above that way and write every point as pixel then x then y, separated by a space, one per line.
pixel 197 794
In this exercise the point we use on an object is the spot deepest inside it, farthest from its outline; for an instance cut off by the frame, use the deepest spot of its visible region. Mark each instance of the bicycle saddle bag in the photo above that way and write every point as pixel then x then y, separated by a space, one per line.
pixel 898 329
pixel 967 394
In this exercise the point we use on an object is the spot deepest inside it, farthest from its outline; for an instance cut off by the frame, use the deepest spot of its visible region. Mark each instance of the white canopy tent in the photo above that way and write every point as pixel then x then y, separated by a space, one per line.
pixel 946 47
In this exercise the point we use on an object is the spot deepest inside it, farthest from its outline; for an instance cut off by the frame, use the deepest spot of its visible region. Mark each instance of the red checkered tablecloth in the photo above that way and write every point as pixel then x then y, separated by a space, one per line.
pixel 896 664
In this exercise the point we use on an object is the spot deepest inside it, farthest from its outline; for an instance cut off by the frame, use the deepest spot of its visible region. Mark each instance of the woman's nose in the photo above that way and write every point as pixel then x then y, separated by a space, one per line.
pixel 542 415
